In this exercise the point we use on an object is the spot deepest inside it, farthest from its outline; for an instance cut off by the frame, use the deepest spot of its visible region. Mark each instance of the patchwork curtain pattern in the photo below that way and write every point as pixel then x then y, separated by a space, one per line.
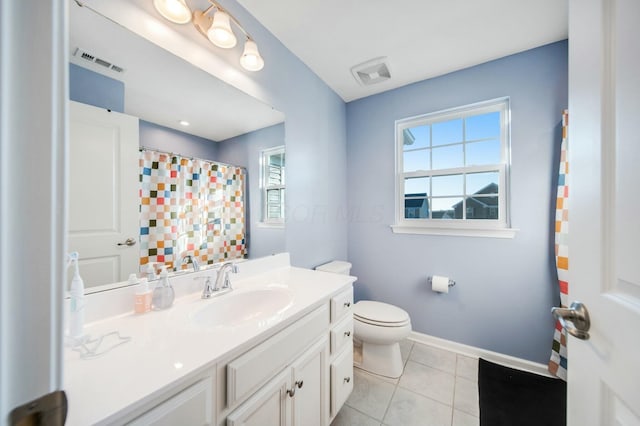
pixel 190 207
pixel 558 362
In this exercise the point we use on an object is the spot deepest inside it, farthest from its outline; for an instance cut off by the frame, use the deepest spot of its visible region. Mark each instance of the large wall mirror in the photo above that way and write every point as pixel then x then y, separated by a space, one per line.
pixel 225 125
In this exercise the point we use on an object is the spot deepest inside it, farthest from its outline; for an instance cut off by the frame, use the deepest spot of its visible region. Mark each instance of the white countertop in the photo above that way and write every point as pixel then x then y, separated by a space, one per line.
pixel 167 345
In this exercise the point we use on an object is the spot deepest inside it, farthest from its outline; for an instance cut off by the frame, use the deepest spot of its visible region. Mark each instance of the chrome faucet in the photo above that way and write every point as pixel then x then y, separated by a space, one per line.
pixel 188 258
pixel 222 280
pixel 222 283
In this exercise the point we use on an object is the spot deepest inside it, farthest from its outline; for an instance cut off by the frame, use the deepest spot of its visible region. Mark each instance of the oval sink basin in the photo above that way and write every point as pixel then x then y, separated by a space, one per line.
pixel 259 306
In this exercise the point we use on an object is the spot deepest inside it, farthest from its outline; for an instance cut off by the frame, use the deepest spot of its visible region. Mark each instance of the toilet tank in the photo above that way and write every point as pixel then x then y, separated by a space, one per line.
pixel 336 267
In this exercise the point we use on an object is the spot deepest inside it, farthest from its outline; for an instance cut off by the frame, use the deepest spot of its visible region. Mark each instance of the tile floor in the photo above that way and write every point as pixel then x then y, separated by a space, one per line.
pixel 437 388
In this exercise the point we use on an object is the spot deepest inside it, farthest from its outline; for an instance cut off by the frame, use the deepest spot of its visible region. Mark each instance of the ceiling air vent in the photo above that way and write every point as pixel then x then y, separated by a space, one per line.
pixel 372 72
pixel 81 53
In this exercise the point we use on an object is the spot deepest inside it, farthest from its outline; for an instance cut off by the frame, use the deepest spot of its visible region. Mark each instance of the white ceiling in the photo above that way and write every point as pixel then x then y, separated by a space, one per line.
pixel 420 38
pixel 162 88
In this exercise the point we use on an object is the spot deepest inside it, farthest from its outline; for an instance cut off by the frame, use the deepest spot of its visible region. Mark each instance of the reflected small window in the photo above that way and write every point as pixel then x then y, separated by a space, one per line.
pixel 273 185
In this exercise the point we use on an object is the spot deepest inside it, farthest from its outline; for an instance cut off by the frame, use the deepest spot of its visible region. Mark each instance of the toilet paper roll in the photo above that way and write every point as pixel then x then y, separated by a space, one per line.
pixel 440 284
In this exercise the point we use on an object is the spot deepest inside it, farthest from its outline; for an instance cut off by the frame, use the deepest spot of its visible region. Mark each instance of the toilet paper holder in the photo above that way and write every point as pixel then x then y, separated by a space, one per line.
pixel 451 282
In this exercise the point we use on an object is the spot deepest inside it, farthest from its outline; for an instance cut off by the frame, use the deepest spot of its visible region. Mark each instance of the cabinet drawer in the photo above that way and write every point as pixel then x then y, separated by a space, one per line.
pixel 342 334
pixel 341 379
pixel 193 406
pixel 341 304
pixel 249 371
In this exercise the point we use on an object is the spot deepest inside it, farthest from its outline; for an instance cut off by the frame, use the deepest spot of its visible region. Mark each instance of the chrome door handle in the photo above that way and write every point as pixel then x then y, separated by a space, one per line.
pixel 128 242
pixel 575 319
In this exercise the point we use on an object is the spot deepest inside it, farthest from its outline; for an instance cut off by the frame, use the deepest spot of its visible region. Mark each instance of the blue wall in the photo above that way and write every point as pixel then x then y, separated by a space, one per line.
pixel 505 287
pixel 315 136
pixel 95 89
pixel 245 151
pixel 169 140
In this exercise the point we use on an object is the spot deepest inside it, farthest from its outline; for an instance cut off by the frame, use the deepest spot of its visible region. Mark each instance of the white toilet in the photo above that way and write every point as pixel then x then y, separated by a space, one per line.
pixel 379 328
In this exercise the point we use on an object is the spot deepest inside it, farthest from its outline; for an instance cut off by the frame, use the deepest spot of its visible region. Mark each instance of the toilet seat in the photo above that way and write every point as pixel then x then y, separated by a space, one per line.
pixel 380 314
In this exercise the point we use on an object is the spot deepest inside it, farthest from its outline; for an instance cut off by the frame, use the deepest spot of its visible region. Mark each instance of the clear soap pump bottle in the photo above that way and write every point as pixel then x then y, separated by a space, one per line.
pixel 163 294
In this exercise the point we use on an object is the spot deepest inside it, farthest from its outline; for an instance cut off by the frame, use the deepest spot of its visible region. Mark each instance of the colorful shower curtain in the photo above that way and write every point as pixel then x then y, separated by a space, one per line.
pixel 558 361
pixel 190 207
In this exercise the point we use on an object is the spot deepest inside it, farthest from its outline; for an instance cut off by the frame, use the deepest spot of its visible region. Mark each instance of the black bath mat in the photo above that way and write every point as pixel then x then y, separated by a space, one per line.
pixel 511 397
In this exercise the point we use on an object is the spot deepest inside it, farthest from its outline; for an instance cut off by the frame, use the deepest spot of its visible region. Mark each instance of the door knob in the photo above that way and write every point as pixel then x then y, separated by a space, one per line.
pixel 575 319
pixel 128 242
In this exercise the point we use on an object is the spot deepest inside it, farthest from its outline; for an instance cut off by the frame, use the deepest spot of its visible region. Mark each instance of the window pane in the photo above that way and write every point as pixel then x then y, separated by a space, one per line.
pixel 416 137
pixel 482 126
pixel 275 203
pixel 416 160
pixel 416 208
pixel 483 183
pixel 447 132
pixel 275 169
pixel 416 187
pixel 480 153
pixel 447 208
pixel 447 157
pixel 482 207
pixel 447 185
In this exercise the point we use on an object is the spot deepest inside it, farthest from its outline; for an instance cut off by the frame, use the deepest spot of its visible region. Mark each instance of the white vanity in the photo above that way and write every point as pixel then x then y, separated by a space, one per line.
pixel 277 350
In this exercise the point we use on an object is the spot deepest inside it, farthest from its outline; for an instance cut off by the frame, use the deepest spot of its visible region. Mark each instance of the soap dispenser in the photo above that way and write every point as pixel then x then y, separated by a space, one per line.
pixel 163 294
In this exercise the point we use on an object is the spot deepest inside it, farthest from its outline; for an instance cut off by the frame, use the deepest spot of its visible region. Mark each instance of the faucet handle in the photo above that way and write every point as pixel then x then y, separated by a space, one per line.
pixel 209 287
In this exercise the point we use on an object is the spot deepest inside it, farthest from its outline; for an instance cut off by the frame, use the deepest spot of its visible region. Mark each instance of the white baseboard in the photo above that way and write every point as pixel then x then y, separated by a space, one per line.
pixel 473 352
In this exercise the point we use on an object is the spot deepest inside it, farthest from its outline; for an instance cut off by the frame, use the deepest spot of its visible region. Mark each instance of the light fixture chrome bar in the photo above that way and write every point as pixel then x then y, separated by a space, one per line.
pixel 233 18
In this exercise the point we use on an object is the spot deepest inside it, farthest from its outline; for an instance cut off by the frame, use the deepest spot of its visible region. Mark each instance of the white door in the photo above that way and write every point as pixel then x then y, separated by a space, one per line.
pixel 103 193
pixel 604 161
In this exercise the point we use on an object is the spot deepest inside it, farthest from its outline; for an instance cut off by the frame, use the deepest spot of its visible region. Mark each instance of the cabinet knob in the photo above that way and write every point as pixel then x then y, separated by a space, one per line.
pixel 347 304
pixel 347 379
pixel 347 333
pixel 292 392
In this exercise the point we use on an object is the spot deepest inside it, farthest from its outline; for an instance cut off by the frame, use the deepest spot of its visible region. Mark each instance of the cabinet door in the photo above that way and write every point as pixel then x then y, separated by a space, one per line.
pixel 341 379
pixel 310 384
pixel 192 406
pixel 267 407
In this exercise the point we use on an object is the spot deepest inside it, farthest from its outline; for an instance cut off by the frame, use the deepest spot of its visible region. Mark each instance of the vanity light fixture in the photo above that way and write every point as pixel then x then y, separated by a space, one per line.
pixel 216 27
pixel 175 11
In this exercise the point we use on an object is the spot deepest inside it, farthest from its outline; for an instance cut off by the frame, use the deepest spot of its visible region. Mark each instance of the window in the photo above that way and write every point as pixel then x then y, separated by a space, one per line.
pixel 273 179
pixel 452 171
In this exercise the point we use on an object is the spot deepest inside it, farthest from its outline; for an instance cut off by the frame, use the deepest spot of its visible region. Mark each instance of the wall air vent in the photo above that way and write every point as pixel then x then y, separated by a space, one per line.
pixel 372 72
pixel 81 53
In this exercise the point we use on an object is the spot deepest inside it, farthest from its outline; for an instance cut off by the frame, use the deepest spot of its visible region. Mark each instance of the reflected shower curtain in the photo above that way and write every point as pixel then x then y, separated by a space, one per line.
pixel 190 207
pixel 558 362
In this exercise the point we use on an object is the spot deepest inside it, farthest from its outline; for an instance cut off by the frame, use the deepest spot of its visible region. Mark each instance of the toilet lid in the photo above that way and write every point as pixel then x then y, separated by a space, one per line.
pixel 378 312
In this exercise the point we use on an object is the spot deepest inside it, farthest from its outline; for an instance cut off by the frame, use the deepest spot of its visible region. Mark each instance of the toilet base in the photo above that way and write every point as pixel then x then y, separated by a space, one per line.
pixel 384 360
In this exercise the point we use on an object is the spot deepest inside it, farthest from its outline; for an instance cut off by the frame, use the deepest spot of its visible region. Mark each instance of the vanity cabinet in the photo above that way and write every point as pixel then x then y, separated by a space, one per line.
pixel 194 404
pixel 297 396
pixel 341 358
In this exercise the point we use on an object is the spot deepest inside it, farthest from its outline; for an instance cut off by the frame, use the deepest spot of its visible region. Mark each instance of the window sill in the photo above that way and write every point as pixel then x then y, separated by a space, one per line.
pixel 271 225
pixel 457 232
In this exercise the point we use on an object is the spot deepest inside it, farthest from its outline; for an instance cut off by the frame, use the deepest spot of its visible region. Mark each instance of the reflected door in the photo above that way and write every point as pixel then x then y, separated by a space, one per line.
pixel 103 193
pixel 604 267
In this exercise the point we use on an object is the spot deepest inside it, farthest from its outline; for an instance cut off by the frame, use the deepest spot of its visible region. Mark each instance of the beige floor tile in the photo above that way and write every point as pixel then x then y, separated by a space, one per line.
pixel 427 381
pixel 410 409
pixel 405 349
pixel 347 416
pixel 461 418
pixel 370 395
pixel 434 357
pixel 467 367
pixel 466 396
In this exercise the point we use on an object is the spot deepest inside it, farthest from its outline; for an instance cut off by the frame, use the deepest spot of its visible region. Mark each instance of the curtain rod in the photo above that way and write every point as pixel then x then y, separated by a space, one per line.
pixel 144 148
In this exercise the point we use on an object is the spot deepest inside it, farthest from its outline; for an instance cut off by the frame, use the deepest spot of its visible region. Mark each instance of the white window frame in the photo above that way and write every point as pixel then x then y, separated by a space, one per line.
pixel 265 187
pixel 499 228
